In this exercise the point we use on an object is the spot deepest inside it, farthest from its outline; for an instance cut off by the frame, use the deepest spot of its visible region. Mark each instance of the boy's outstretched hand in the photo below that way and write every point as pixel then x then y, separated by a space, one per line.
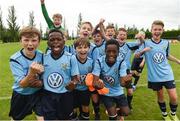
pixel 101 21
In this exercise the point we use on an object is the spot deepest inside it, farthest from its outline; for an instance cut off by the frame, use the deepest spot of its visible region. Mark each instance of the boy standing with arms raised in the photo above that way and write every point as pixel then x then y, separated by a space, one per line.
pixel 57 18
pixel 112 71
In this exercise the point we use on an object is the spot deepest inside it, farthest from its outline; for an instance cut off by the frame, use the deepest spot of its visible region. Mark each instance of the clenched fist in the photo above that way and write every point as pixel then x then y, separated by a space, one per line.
pixel 126 80
pixel 98 84
pixel 36 68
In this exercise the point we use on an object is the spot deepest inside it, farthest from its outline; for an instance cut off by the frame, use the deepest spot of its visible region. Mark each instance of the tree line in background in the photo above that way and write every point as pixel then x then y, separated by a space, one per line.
pixel 10 33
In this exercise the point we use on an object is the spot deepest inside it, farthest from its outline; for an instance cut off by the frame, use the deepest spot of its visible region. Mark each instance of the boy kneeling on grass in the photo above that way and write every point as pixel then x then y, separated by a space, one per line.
pixel 112 71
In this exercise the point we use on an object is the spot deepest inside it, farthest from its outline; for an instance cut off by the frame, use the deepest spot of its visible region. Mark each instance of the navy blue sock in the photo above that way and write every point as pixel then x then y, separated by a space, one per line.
pixel 162 106
pixel 173 108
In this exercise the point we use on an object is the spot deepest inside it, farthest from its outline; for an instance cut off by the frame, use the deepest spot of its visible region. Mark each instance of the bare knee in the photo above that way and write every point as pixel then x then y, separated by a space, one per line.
pixel 123 111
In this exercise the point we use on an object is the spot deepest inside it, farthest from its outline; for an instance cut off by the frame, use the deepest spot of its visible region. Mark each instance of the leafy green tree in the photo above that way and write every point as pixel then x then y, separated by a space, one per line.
pixel 79 22
pixel 2 28
pixel 13 27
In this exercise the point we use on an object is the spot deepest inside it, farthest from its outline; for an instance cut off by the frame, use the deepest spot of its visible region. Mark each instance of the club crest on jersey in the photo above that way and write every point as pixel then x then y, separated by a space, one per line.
pixel 55 80
pixel 116 70
pixel 110 80
pixel 64 66
pixel 158 57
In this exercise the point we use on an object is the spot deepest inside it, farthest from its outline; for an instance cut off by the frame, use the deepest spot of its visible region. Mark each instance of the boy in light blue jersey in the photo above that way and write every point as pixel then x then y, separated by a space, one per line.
pixel 125 51
pixel 138 63
pixel 112 70
pixel 100 37
pixel 85 32
pixel 81 92
pixel 160 74
pixel 99 41
pixel 107 33
pixel 26 67
pixel 60 75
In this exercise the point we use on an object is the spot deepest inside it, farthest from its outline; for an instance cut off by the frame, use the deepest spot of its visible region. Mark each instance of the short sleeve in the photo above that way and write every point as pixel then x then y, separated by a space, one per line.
pixel 74 66
pixel 17 70
pixel 122 69
pixel 97 68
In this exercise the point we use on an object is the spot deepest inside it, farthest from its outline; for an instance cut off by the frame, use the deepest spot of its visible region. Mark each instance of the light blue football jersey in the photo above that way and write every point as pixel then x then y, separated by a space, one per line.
pixel 101 49
pixel 137 50
pixel 111 75
pixel 58 72
pixel 84 69
pixel 159 69
pixel 125 52
pixel 19 64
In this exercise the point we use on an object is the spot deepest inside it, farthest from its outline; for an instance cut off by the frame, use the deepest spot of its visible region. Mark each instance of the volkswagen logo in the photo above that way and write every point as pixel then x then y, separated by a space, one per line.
pixel 55 80
pixel 158 57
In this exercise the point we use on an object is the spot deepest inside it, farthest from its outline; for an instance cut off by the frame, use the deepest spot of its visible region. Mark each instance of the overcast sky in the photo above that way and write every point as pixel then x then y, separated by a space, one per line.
pixel 138 12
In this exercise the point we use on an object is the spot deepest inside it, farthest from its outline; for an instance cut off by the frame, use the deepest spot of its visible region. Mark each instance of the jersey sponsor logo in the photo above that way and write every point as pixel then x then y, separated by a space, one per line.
pixel 55 80
pixel 82 79
pixel 158 57
pixel 110 80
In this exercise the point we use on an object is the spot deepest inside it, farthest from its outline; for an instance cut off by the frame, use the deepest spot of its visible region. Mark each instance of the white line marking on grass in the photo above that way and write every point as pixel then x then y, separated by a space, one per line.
pixel 5 98
pixel 139 85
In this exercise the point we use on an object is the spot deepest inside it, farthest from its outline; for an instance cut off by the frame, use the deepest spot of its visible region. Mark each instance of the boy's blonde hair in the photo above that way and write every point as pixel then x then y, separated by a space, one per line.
pixel 30 31
pixel 142 33
pixel 57 15
pixel 158 22
pixel 87 22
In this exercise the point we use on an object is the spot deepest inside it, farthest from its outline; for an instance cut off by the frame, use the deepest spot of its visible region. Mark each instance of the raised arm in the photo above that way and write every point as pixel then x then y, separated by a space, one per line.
pixel 102 29
pixel 45 14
